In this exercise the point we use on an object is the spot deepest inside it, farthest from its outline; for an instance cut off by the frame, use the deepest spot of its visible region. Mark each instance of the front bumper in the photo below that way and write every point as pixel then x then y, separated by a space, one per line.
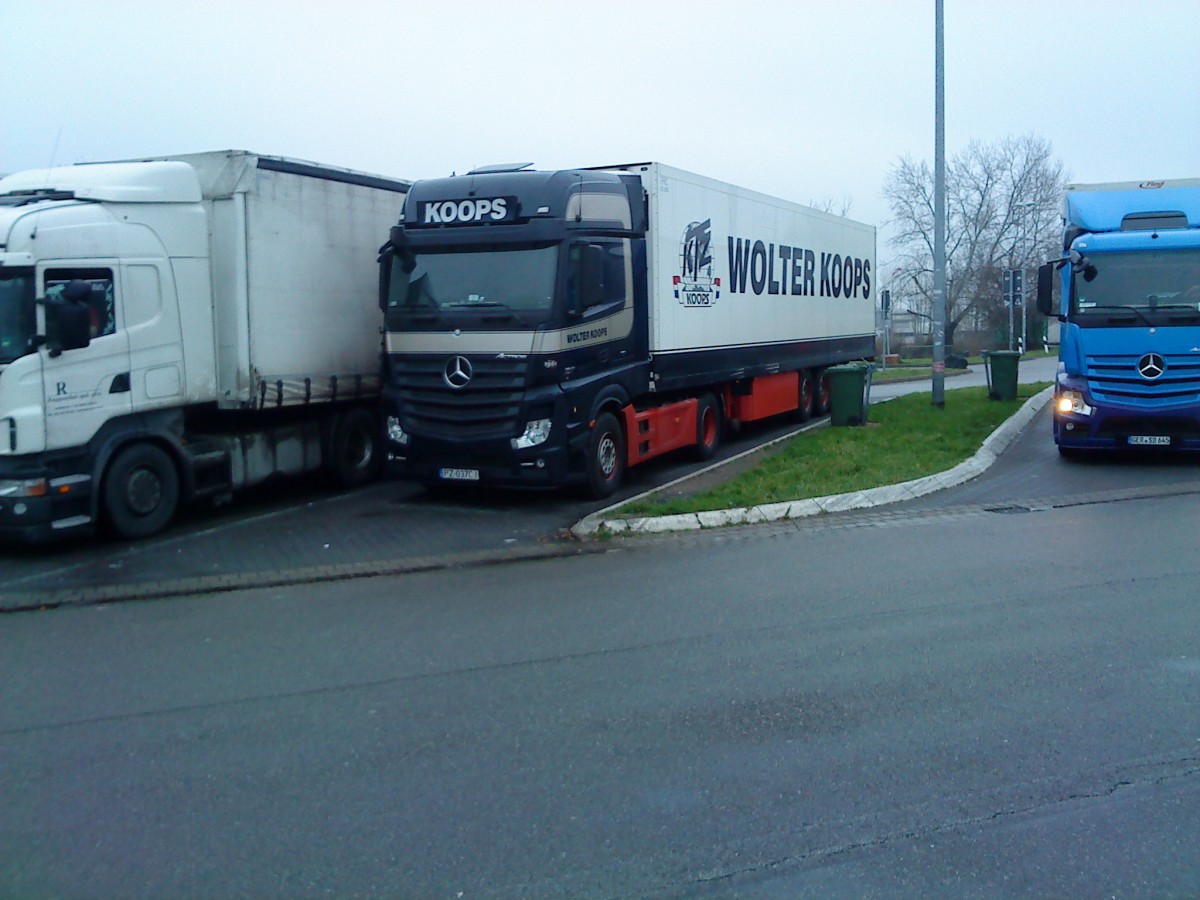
pixel 1124 427
pixel 431 461
pixel 37 520
pixel 42 502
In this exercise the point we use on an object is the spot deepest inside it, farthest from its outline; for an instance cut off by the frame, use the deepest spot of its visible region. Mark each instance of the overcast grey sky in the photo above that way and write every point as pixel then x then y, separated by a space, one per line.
pixel 807 100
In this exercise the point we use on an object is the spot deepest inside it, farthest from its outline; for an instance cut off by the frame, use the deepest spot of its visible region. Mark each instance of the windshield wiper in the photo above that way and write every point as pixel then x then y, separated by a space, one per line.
pixel 423 312
pixel 1189 308
pixel 1141 314
pixel 505 315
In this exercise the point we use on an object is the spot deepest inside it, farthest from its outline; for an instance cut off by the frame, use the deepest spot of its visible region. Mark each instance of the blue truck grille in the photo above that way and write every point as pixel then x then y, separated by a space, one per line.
pixel 487 406
pixel 1117 379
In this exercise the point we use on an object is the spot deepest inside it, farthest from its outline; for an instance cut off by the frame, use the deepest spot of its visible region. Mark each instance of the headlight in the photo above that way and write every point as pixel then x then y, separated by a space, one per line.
pixel 536 433
pixel 1072 402
pixel 395 432
pixel 28 487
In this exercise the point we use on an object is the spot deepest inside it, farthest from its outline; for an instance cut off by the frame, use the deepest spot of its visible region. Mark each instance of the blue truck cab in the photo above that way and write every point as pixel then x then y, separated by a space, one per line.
pixel 1129 304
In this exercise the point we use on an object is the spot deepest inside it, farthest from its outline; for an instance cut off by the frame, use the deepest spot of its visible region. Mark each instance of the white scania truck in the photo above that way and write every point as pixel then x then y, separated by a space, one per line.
pixel 545 328
pixel 179 328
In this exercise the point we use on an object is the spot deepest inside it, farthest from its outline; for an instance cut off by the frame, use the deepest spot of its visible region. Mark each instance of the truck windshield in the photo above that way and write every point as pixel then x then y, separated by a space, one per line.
pixel 1157 288
pixel 17 317
pixel 488 285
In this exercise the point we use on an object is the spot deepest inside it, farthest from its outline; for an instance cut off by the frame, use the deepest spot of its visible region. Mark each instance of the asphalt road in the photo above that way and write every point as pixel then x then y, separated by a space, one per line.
pixel 937 703
pixel 301 531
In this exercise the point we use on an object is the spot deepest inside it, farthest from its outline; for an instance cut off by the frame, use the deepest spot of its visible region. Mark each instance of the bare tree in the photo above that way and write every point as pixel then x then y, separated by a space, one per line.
pixel 1002 211
pixel 841 208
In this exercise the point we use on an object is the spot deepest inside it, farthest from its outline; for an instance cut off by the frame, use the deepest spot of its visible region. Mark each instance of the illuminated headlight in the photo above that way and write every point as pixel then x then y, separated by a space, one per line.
pixel 395 432
pixel 536 433
pixel 29 487
pixel 1072 402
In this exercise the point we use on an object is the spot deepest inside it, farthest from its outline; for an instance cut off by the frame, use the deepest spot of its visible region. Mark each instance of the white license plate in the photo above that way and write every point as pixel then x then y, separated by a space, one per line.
pixel 1151 440
pixel 458 474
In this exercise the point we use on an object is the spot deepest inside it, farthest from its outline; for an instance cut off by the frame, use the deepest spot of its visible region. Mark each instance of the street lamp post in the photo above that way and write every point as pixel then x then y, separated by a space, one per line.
pixel 1025 209
pixel 939 216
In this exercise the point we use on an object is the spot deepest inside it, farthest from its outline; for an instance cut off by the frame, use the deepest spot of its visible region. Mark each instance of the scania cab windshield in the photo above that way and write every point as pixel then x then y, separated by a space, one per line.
pixel 1143 288
pixel 488 286
pixel 17 317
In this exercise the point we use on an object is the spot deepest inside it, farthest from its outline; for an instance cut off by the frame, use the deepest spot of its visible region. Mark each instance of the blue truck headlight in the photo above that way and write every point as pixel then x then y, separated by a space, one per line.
pixel 536 432
pixel 1070 401
pixel 395 432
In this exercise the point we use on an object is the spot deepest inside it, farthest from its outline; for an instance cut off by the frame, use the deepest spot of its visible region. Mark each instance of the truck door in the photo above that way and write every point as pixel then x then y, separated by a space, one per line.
pixel 601 297
pixel 85 388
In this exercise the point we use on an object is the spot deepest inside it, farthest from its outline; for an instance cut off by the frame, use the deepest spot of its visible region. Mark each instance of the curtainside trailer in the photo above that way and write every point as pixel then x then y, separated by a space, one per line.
pixel 177 328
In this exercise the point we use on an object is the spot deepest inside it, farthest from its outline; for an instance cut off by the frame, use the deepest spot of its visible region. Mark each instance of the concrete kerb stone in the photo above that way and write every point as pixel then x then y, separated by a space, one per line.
pixel 29 601
pixel 995 444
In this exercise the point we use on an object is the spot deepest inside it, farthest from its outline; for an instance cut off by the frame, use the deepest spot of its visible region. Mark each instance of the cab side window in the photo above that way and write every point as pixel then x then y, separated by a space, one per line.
pixel 614 273
pixel 101 302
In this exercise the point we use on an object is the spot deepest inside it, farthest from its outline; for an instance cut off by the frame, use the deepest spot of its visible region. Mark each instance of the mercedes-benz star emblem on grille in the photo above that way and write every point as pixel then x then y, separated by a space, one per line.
pixel 457 372
pixel 1152 366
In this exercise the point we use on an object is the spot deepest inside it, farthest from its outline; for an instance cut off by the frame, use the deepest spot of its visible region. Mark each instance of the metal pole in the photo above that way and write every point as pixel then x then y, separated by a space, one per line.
pixel 1025 209
pixel 1023 326
pixel 887 325
pixel 939 217
pixel 1008 293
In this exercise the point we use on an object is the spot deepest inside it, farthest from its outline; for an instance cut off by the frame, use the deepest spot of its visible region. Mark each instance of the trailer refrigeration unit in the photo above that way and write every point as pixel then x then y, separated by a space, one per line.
pixel 1129 356
pixel 182 327
pixel 549 328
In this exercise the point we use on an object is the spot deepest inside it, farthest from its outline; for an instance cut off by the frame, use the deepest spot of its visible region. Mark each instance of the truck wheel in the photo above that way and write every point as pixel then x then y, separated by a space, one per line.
pixel 708 427
pixel 356 449
pixel 821 406
pixel 806 403
pixel 141 491
pixel 606 456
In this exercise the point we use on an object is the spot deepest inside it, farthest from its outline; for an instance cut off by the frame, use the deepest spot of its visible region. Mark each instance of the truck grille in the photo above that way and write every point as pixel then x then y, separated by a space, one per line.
pixel 487 406
pixel 1116 378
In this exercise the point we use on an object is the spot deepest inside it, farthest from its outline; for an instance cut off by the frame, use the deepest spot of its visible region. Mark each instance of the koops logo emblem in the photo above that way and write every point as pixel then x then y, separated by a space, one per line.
pixel 465 212
pixel 695 285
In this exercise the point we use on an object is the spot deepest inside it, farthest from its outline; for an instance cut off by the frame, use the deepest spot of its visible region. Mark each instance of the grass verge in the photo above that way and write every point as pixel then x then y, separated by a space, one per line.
pixel 911 369
pixel 905 438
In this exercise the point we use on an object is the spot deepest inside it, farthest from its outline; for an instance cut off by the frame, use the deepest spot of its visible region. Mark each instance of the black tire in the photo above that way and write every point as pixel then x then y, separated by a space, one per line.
pixel 356 448
pixel 141 492
pixel 823 394
pixel 806 401
pixel 708 427
pixel 606 456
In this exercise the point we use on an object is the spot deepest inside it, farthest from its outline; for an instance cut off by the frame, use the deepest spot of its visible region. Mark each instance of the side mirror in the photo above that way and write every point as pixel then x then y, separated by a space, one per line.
pixel 1045 289
pixel 68 325
pixel 1083 266
pixel 385 274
